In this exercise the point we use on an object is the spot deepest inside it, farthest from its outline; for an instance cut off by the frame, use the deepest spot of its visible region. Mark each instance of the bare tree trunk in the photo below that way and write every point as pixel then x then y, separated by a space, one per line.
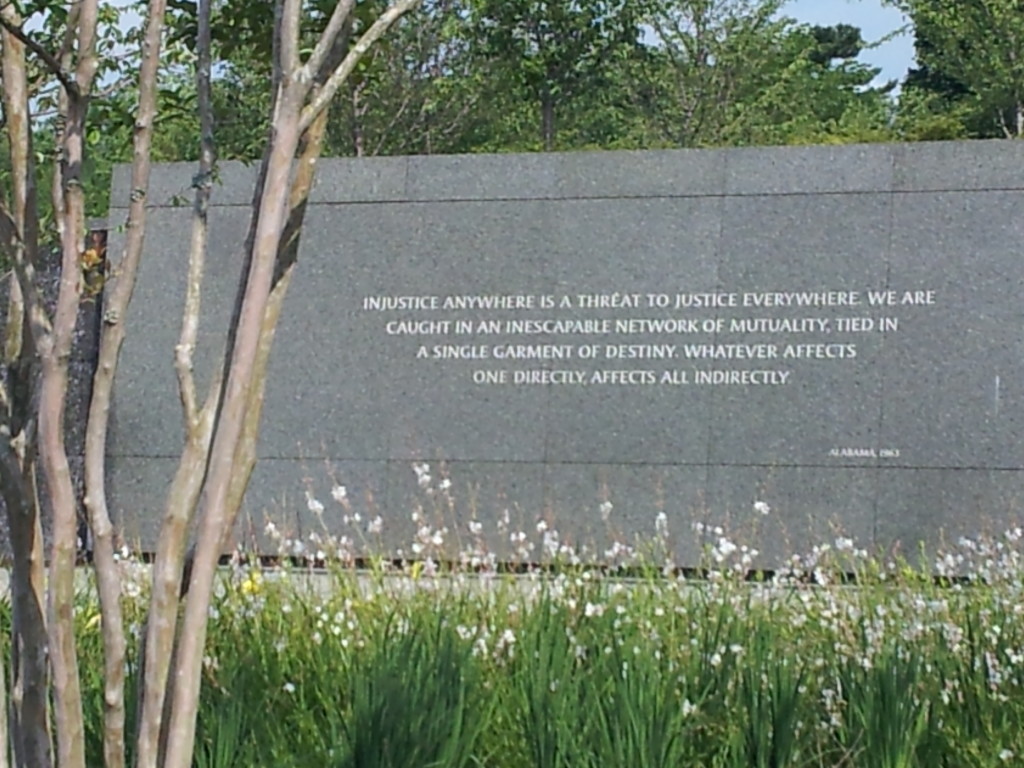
pixel 311 146
pixel 270 224
pixel 30 730
pixel 188 481
pixel 162 620
pixel 116 300
pixel 29 665
pixel 248 344
pixel 172 569
pixel 67 690
pixel 56 353
pixel 245 455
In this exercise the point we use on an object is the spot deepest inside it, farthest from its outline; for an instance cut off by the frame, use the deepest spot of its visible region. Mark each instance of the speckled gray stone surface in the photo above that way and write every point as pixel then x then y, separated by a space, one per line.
pixel 857 363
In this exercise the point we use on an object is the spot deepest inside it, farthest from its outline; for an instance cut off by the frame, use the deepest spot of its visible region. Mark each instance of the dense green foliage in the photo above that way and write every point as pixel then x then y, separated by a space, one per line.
pixel 488 76
pixel 479 75
pixel 405 668
pixel 969 81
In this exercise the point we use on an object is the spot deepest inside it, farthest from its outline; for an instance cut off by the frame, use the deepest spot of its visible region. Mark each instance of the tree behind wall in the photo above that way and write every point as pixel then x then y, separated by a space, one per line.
pixel 739 72
pixel 552 52
pixel 969 79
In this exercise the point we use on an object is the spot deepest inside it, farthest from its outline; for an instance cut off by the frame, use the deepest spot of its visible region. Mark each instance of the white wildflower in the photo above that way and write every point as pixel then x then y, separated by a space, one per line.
pixel 422 474
pixel 762 507
pixel 313 505
pixel 339 493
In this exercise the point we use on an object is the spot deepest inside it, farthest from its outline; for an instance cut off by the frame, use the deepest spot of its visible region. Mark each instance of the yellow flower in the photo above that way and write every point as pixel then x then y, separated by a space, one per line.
pixel 253 584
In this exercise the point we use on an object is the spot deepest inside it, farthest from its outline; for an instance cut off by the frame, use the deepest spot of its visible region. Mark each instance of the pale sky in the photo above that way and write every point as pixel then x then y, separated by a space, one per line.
pixel 876 22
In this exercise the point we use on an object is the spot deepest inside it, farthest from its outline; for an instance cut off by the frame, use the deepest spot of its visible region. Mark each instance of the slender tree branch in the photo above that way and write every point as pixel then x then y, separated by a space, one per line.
pixel 270 216
pixel 325 44
pixel 68 716
pixel 44 55
pixel 348 64
pixel 276 73
pixel 67 45
pixel 185 348
pixel 290 61
pixel 117 297
pixel 29 668
pixel 162 620
pixel 310 149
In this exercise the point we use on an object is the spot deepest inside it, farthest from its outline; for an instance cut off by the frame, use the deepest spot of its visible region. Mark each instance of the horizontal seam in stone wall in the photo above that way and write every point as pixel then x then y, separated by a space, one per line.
pixel 595 463
pixel 562 198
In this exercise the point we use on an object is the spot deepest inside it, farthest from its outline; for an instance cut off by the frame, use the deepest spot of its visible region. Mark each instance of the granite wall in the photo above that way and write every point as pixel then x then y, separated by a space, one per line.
pixel 597 339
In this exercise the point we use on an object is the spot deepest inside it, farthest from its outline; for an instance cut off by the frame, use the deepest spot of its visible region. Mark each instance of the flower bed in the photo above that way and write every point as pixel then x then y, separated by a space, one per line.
pixel 446 664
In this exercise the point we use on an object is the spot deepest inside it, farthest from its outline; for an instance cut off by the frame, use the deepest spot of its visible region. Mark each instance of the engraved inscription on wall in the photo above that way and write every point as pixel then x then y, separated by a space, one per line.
pixel 640 339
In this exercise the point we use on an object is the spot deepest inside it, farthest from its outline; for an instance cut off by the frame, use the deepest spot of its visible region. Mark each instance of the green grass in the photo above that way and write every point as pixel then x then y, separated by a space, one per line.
pixel 575 668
